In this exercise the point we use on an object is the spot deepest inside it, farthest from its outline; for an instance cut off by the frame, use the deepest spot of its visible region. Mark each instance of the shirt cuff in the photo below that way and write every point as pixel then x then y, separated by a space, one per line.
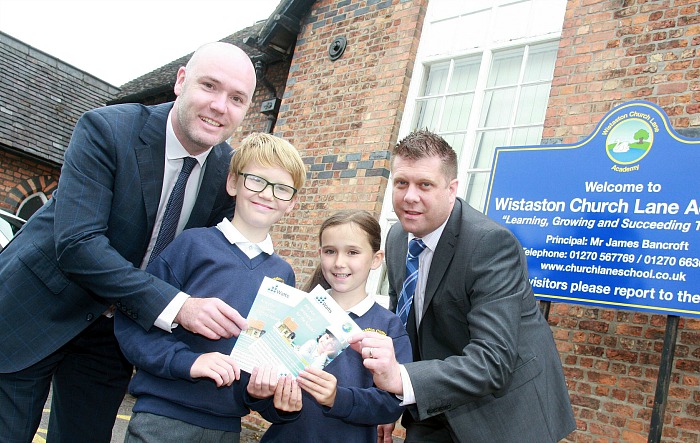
pixel 166 319
pixel 408 397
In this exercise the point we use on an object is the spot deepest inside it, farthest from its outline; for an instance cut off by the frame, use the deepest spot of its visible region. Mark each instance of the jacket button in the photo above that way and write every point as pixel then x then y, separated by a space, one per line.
pixel 89 317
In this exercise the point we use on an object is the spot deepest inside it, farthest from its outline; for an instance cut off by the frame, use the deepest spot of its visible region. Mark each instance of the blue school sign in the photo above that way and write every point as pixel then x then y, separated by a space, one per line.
pixel 612 221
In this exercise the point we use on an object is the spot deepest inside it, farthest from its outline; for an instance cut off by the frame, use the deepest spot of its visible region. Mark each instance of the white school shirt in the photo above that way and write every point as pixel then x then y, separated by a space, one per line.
pixel 234 236
pixel 174 159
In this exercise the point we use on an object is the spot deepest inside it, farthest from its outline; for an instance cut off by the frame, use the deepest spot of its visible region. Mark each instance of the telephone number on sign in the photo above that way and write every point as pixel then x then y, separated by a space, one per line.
pixel 665 260
pixel 613 257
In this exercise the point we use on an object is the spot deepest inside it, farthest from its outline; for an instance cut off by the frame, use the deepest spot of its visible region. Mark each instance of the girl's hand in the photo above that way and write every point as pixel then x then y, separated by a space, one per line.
pixel 384 433
pixel 319 384
pixel 217 366
pixel 287 395
pixel 263 382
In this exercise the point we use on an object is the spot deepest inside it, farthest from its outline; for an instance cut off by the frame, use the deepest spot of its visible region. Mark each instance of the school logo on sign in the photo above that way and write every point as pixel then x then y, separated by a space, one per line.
pixel 629 137
pixel 629 141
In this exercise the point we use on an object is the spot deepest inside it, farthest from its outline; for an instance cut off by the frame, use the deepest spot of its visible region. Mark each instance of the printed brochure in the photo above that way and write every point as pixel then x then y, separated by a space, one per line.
pixel 290 329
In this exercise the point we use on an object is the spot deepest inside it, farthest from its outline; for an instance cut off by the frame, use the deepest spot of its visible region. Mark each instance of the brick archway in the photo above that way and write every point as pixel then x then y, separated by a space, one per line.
pixel 43 183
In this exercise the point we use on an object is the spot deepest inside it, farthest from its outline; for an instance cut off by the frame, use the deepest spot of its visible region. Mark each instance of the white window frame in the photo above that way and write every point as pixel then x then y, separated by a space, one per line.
pixel 377 280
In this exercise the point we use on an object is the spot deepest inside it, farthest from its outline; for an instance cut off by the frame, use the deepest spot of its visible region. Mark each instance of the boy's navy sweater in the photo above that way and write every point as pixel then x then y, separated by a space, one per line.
pixel 359 406
pixel 202 263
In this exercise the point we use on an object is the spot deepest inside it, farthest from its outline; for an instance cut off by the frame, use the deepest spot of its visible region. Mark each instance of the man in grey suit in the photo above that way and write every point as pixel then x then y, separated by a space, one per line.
pixel 486 366
pixel 82 255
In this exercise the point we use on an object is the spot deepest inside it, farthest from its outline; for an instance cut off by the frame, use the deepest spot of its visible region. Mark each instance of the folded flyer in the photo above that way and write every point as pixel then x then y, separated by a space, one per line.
pixel 290 329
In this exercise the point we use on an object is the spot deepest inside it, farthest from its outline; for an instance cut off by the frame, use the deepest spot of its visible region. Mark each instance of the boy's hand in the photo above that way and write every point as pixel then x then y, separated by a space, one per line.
pixel 217 366
pixel 287 395
pixel 320 384
pixel 263 382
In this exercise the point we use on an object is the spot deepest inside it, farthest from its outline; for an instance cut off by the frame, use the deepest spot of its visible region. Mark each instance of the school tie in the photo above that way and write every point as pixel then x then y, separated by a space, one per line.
pixel 171 217
pixel 403 307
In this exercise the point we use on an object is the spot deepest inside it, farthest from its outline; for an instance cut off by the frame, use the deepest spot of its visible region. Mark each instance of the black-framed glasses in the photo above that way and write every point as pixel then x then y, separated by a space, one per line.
pixel 258 184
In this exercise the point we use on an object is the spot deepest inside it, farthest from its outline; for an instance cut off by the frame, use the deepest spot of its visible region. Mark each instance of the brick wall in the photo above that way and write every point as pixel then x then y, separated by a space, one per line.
pixel 21 177
pixel 611 52
pixel 614 51
pixel 344 115
pixel 276 73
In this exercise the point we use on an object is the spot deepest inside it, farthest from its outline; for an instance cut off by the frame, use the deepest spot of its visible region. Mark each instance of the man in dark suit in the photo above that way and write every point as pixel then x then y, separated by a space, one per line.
pixel 83 254
pixel 486 366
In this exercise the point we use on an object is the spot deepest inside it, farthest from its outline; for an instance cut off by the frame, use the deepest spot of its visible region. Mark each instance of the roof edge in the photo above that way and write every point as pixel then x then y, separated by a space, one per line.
pixel 31 51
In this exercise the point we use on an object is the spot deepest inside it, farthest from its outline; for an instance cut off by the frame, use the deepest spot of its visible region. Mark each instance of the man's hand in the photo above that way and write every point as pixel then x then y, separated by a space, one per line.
pixel 320 384
pixel 210 317
pixel 384 433
pixel 219 367
pixel 378 356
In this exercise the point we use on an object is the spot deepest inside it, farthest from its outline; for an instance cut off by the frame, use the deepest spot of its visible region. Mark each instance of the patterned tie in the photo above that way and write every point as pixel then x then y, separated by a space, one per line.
pixel 403 308
pixel 171 217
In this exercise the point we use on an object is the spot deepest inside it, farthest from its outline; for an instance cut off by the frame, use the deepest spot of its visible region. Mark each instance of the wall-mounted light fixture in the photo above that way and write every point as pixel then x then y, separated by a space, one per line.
pixel 337 47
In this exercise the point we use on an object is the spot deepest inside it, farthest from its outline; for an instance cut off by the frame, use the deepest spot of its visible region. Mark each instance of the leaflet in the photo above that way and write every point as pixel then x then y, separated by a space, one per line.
pixel 290 329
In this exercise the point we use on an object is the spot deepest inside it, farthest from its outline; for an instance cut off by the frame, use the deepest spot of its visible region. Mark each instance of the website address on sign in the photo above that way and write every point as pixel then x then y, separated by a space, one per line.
pixel 602 270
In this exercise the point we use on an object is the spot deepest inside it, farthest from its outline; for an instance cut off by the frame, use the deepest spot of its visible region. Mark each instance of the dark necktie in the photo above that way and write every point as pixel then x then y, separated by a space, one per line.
pixel 403 307
pixel 171 216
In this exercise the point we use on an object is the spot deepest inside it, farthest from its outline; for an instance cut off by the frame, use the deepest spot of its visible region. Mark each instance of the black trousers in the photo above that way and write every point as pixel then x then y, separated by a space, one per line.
pixel 435 429
pixel 89 376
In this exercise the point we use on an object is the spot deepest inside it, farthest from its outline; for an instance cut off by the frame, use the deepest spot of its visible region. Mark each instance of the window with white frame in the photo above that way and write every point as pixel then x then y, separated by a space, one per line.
pixel 513 102
pixel 482 78
pixel 511 113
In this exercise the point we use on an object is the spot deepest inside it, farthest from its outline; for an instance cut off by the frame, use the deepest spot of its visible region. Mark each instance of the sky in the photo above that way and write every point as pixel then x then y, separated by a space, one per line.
pixel 120 40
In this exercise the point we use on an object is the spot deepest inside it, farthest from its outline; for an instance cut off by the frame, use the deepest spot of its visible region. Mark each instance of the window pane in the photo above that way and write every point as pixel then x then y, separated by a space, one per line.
pixel 531 135
pixel 457 143
pixel 540 64
pixel 448 21
pixel 487 141
pixel 427 113
pixel 532 104
pixel 512 20
pixel 449 8
pixel 437 78
pixel 456 113
pixel 497 109
pixel 505 68
pixel 476 189
pixel 464 76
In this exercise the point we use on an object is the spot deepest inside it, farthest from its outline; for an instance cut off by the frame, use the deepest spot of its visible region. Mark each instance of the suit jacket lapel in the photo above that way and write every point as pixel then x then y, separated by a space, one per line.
pixel 151 161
